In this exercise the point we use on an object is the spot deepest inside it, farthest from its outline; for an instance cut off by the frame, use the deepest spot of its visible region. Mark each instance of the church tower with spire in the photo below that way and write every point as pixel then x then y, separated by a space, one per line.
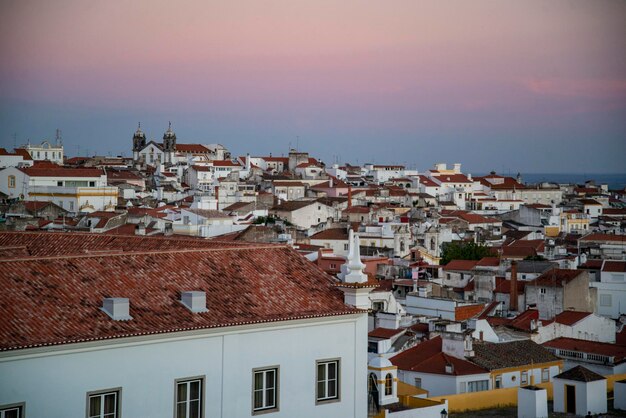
pixel 139 142
pixel 169 144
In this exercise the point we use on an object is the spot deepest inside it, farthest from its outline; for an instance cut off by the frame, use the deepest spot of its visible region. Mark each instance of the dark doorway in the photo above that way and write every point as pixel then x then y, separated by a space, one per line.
pixel 570 399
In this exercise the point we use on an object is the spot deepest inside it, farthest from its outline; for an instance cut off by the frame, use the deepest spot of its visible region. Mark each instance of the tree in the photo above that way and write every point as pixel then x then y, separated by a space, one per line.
pixel 461 250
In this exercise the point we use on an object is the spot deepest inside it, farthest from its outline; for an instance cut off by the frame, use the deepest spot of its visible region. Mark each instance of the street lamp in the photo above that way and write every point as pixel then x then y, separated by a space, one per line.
pixel 444 413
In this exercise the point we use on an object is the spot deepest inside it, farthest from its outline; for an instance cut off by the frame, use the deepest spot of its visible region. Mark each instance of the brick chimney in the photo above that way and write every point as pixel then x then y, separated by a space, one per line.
pixel 349 197
pixel 513 295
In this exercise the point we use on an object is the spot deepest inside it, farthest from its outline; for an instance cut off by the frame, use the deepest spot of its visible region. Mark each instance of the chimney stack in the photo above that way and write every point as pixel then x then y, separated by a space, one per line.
pixel 513 295
pixel 349 197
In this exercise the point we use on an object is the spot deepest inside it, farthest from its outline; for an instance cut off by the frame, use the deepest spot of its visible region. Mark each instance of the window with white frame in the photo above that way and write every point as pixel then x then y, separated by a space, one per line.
pixel 545 375
pixel 524 380
pixel 327 380
pixel 189 394
pixel 104 404
pixel 265 389
pixel 418 382
pixel 498 381
pixel 12 411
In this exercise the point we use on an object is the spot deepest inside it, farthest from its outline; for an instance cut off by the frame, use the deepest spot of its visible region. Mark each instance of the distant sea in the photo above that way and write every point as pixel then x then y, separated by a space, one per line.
pixel 615 181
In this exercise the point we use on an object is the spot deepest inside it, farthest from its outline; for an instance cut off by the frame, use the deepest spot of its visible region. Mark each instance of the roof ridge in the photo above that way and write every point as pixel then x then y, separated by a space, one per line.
pixel 120 252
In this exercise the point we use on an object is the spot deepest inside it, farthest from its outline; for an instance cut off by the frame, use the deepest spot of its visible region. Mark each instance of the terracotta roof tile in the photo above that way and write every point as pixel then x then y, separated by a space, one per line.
pixel 332 234
pixel 43 244
pixel 580 374
pixel 592 347
pixel 57 300
pixel 385 333
pixel 570 317
pixel 494 356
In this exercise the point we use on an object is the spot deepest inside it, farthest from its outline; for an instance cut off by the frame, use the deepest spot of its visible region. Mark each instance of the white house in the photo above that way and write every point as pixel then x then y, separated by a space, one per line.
pixel 73 189
pixel 45 152
pixel 611 289
pixel 19 157
pixel 229 332
pixel 580 391
pixel 205 223
pixel 305 213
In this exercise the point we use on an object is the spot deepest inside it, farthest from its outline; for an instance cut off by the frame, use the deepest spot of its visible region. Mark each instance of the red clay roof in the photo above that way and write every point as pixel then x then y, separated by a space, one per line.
pixel 460 265
pixel 44 244
pixel 593 347
pixel 427 357
pixel 488 262
pixel 57 300
pixel 614 266
pixel 53 170
pixel 461 313
pixel 570 317
pixel 385 333
pixel 225 163
pixel 604 237
pixel 192 148
pixel 332 234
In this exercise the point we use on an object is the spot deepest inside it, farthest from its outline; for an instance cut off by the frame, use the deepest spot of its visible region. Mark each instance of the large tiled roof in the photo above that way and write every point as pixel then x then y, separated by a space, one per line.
pixel 427 357
pixel 44 244
pixel 614 266
pixel 494 356
pixel 591 347
pixel 580 374
pixel 192 148
pixel 57 300
pixel 53 170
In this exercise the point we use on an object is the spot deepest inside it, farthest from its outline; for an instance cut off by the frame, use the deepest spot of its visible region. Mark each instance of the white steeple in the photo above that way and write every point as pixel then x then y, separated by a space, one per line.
pixel 355 266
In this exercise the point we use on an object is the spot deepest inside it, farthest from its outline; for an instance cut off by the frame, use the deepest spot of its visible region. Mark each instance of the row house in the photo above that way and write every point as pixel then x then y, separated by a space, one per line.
pixel 603 358
pixel 74 189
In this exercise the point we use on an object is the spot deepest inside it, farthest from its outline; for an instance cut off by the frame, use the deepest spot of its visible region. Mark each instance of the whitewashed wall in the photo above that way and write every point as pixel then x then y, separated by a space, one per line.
pixel 55 382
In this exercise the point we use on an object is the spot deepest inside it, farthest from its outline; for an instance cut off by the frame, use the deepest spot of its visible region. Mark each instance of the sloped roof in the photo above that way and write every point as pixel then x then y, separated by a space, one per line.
pixel 292 205
pixel 53 170
pixel 385 333
pixel 592 347
pixel 598 236
pixel 427 357
pixel 556 277
pixel 614 266
pixel 332 234
pixel 494 356
pixel 570 317
pixel 45 244
pixel 580 374
pixel 57 300
pixel 460 265
pixel 192 148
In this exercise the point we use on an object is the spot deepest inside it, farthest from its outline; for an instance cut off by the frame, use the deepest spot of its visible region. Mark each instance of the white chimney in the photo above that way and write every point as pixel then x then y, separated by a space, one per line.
pixel 195 301
pixel 117 308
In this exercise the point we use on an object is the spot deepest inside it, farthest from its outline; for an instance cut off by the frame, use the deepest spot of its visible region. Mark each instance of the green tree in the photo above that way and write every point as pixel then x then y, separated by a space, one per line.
pixel 461 250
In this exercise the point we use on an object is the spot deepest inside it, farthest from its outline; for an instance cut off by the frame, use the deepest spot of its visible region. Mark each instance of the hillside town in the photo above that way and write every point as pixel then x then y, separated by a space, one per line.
pixel 281 284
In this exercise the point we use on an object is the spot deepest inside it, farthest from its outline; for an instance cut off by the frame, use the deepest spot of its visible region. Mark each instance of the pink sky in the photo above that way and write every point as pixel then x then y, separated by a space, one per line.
pixel 477 63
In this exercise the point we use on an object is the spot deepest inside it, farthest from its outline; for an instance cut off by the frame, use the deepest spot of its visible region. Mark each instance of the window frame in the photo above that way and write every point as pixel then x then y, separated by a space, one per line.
pixel 102 392
pixel 276 407
pixel 389 384
pixel 337 397
pixel 202 379
pixel 545 371
pixel 20 406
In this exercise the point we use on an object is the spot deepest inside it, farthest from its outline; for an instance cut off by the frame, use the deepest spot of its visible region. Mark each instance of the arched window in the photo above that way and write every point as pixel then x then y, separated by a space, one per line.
pixel 388 385
pixel 432 244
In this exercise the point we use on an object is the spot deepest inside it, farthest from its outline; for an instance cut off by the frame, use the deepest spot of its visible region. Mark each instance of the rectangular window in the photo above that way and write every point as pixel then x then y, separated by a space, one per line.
pixel 71 206
pixel 104 404
pixel 189 396
pixel 524 378
pixel 12 182
pixel 545 375
pixel 606 300
pixel 59 184
pixel 12 411
pixel 418 382
pixel 478 385
pixel 498 381
pixel 265 389
pixel 327 380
